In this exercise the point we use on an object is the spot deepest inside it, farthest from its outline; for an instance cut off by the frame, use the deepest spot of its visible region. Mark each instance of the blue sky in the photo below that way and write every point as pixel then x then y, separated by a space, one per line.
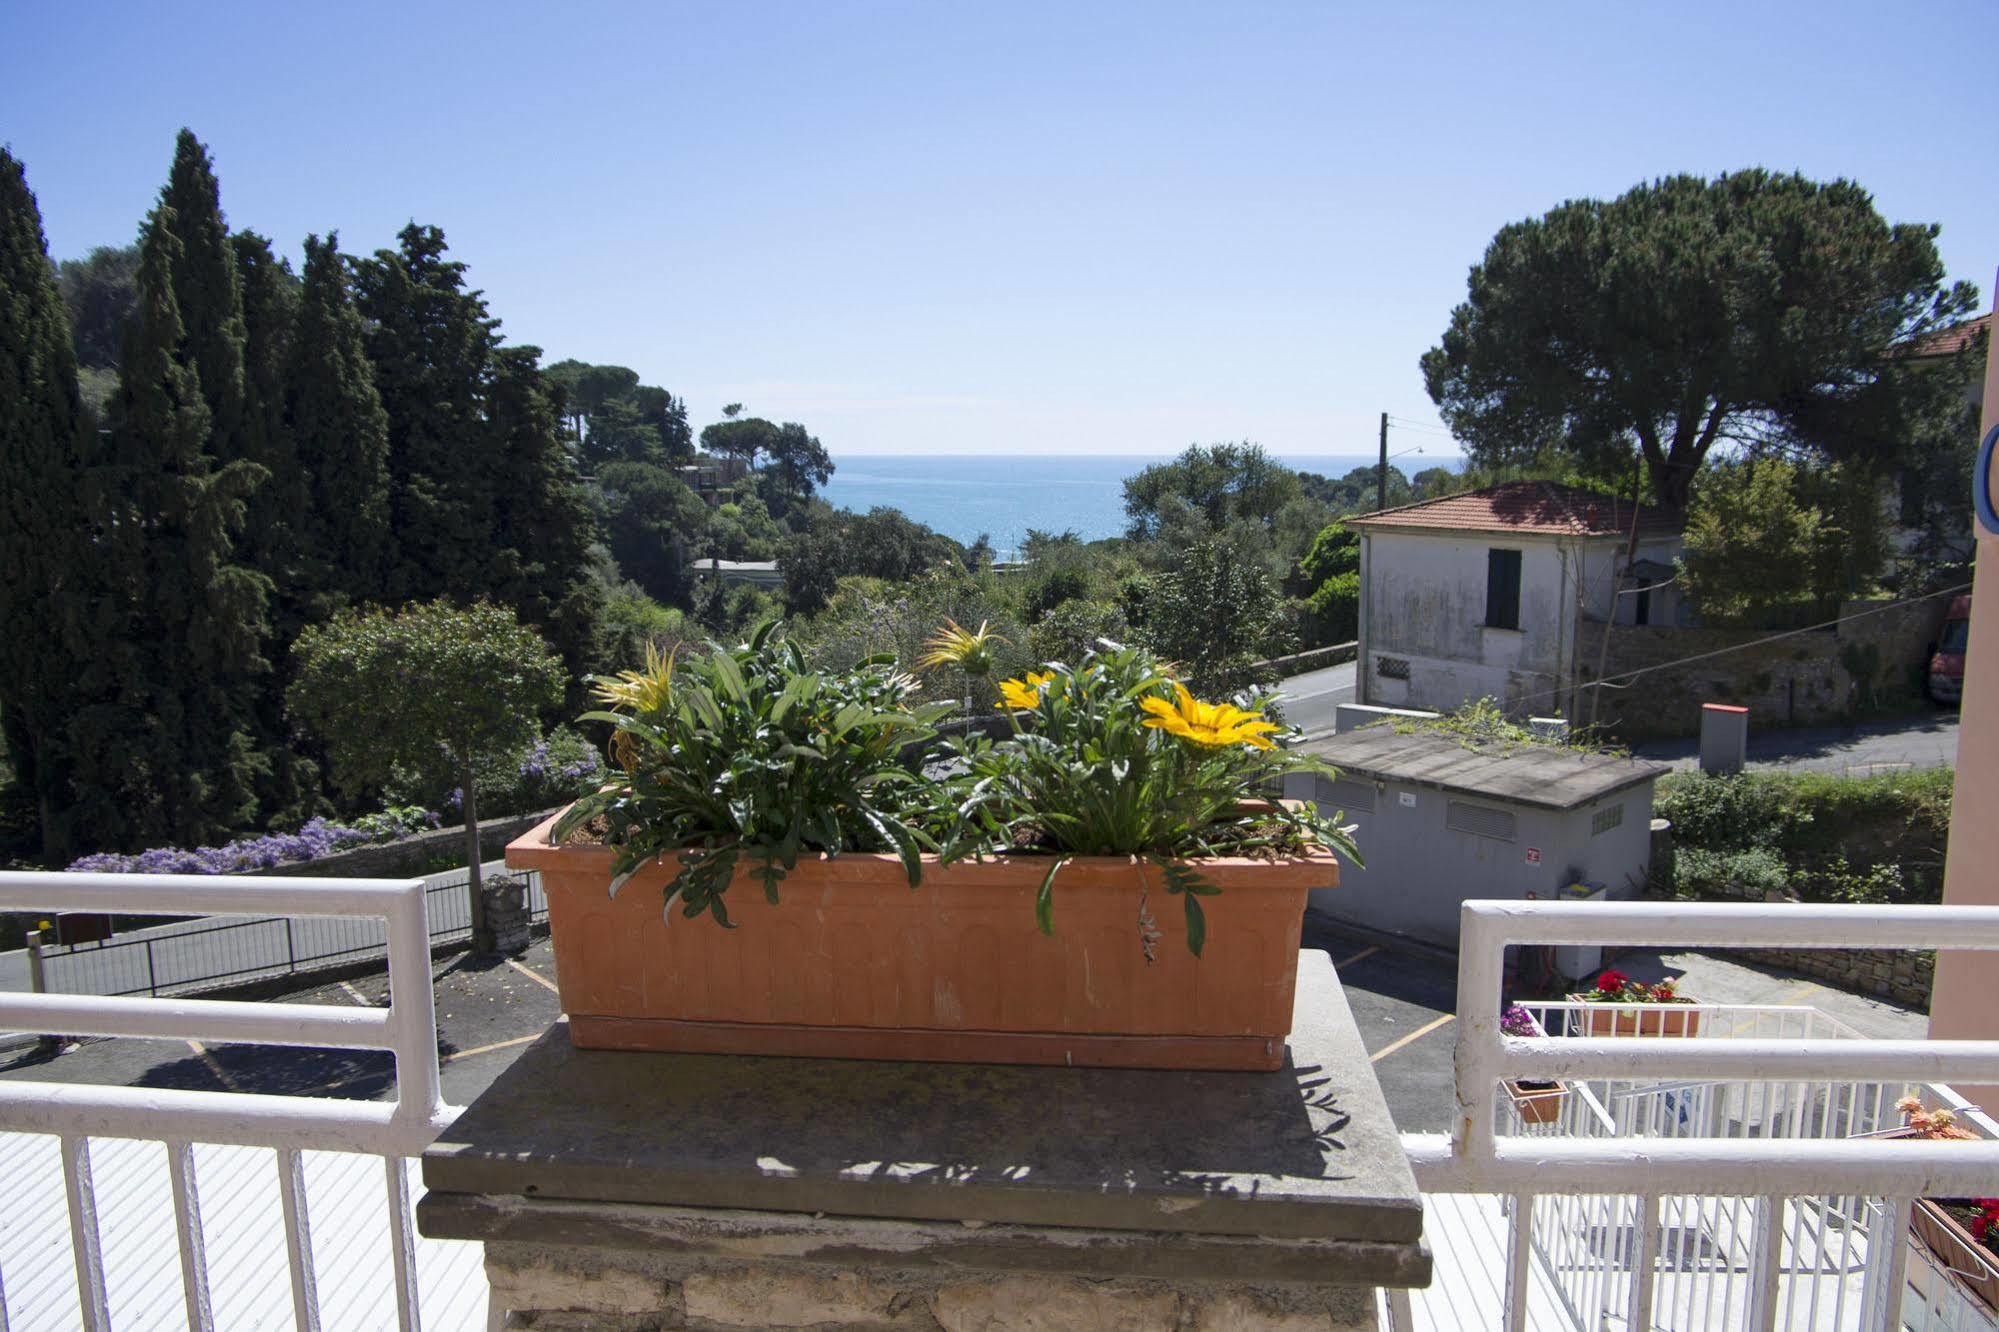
pixel 1020 228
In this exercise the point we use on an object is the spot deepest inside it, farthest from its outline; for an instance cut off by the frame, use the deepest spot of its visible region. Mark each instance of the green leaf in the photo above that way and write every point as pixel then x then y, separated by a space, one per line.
pixel 1044 898
pixel 1197 924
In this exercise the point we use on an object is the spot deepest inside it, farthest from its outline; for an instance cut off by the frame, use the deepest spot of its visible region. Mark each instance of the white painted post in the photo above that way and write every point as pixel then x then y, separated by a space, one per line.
pixel 84 1242
pixel 1519 1246
pixel 193 1245
pixel 1481 958
pixel 298 1240
pixel 1895 1272
pixel 1765 1263
pixel 1644 1264
pixel 413 1017
pixel 402 1244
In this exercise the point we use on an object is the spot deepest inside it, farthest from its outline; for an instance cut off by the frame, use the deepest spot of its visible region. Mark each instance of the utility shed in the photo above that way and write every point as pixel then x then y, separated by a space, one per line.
pixel 1440 823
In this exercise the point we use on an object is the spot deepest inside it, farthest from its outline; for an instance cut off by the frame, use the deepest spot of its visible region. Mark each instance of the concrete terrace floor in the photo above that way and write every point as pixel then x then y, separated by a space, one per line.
pixel 1404 1003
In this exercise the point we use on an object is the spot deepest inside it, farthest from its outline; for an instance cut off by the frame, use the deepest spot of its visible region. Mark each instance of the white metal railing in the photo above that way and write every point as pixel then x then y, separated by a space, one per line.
pixel 74 1113
pixel 1769 1173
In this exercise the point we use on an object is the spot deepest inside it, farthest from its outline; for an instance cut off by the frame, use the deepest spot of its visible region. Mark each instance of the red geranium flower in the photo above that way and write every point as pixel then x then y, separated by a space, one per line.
pixel 1612 981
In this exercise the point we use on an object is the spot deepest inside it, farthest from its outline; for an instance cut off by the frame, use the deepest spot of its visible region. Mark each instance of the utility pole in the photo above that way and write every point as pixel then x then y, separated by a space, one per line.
pixel 1381 477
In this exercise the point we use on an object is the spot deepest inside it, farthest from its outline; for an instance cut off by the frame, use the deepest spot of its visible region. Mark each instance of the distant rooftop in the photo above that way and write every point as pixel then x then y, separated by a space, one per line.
pixel 1948 341
pixel 1536 508
pixel 1546 776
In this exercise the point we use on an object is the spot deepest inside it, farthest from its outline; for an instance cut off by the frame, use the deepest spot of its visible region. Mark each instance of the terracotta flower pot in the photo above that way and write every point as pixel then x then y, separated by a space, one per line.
pixel 854 963
pixel 1971 1265
pixel 1629 1020
pixel 1537 1105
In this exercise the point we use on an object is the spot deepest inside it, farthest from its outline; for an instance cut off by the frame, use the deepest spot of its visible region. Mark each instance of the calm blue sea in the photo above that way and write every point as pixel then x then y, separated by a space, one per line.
pixel 1004 495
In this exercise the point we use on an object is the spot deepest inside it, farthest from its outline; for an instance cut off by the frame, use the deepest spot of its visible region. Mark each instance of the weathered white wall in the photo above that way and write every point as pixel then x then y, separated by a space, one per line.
pixel 1419 872
pixel 1424 600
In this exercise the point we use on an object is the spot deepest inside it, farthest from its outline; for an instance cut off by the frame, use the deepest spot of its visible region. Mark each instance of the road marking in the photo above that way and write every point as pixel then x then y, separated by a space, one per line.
pixel 1801 993
pixel 1369 951
pixel 526 970
pixel 1417 1034
pixel 356 995
pixel 214 1065
pixel 456 1055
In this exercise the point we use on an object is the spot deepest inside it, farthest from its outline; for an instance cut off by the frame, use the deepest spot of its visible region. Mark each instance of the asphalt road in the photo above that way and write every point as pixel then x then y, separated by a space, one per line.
pixel 1308 700
pixel 1927 740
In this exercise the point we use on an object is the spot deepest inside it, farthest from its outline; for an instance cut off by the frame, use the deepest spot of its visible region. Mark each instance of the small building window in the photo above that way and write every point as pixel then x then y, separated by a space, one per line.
pixel 1347 795
pixel 1502 589
pixel 1392 668
pixel 1605 820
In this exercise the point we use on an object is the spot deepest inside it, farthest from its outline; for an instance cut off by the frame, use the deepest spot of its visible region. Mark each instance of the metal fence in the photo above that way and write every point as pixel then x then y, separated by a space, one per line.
pixel 192 955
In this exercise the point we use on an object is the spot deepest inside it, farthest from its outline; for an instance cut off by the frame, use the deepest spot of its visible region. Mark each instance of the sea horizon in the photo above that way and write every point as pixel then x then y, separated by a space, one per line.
pixel 1001 496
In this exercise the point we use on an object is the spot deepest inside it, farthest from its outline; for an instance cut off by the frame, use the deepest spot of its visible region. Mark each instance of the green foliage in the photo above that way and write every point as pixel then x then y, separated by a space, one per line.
pixel 867 616
pixel 1766 541
pixel 1047 590
pixel 1755 873
pixel 1217 615
pixel 431 690
pixel 101 292
pixel 634 622
pixel 1878 838
pixel 545 773
pixel 45 439
pixel 1751 308
pixel 1225 483
pixel 1093 769
pixel 746 755
pixel 1330 573
pixel 1483 724
pixel 1074 628
pixel 651 520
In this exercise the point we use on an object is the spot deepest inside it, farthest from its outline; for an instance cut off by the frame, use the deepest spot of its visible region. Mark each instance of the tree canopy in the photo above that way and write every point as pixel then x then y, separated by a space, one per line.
pixel 1753 310
pixel 1224 482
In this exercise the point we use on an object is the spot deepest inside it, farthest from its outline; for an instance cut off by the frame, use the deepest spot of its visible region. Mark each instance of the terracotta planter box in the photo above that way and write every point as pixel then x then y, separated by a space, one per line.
pixel 1537 1105
pixel 1630 1020
pixel 854 963
pixel 1970 1264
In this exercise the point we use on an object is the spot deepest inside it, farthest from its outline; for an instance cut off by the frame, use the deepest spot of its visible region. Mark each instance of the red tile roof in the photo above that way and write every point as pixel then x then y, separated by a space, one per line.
pixel 1947 341
pixel 1540 508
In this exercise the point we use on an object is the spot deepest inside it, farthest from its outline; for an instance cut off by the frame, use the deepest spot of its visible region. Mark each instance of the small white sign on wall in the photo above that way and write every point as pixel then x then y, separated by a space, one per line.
pixel 1407 799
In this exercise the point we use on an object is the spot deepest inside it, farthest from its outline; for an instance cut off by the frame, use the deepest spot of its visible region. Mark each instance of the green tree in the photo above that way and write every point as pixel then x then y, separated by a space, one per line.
pixel 1768 543
pixel 166 747
pixel 100 291
pixel 811 560
pixel 650 520
pixel 618 434
pixel 1217 615
pixel 1330 575
pixel 667 415
pixel 799 464
pixel 746 437
pixel 209 295
pixel 432 689
pixel 340 438
pixel 45 439
pixel 1225 482
pixel 1753 310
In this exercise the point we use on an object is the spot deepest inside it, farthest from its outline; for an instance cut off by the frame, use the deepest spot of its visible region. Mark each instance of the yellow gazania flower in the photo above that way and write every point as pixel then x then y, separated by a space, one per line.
pixel 1210 724
pixel 1025 695
pixel 643 691
pixel 970 650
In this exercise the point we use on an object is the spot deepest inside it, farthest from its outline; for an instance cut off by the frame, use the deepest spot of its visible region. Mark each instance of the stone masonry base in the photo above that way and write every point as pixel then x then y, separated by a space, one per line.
pixel 562 1288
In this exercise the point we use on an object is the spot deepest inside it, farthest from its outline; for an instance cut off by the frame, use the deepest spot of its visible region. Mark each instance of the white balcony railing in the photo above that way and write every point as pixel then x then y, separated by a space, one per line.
pixel 1713 1182
pixel 289 1125
pixel 1744 1143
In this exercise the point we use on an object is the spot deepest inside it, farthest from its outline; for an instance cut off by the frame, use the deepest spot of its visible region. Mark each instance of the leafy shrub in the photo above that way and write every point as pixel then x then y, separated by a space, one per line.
pixel 550 771
pixel 1073 628
pixel 747 754
pixel 1048 590
pixel 314 839
pixel 1752 874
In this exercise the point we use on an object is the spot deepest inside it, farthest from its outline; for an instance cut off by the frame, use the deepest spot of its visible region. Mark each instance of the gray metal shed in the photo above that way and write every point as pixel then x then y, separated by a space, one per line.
pixel 1439 822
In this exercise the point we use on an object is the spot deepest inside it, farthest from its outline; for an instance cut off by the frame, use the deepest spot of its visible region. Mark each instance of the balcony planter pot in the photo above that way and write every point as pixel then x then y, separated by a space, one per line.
pixel 1537 1102
pixel 1971 1265
pixel 854 963
pixel 1600 1019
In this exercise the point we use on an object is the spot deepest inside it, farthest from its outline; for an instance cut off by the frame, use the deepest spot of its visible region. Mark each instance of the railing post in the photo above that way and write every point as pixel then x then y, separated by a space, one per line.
pixel 1644 1263
pixel 152 976
pixel 1481 952
pixel 1765 1264
pixel 291 948
pixel 85 1244
pixel 413 1015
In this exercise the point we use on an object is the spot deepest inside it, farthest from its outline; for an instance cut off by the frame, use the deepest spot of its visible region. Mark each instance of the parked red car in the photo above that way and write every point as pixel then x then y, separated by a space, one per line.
pixel 1946 682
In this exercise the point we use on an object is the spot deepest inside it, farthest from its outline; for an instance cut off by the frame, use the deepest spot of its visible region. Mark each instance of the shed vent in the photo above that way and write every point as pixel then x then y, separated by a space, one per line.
pixel 1392 668
pixel 1606 819
pixel 1479 820
pixel 1354 797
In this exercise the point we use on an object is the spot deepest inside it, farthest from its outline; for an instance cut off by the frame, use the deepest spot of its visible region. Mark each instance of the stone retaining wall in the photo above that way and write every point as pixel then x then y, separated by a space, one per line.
pixel 1896 974
pixel 1810 679
pixel 408 857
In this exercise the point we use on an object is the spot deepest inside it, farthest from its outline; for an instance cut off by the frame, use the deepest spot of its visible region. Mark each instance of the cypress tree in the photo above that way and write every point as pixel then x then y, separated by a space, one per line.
pixel 545 524
pixel 44 435
pixel 270 540
pixel 208 293
pixel 341 437
pixel 167 752
pixel 431 343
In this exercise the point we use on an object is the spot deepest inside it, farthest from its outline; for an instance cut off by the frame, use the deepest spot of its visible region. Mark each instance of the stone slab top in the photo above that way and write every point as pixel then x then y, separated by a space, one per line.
pixel 1308 1151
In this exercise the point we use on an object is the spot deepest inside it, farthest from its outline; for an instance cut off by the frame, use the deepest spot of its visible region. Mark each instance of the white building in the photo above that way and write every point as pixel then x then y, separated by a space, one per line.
pixel 1480 594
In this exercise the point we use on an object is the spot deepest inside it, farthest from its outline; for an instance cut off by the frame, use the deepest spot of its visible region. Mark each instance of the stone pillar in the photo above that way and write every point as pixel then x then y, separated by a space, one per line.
pixel 625 1191
pixel 506 899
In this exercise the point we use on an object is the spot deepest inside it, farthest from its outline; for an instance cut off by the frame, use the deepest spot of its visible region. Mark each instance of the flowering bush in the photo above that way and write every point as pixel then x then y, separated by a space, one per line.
pixel 549 771
pixel 1614 987
pixel 1980 1216
pixel 316 838
pixel 1517 1021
